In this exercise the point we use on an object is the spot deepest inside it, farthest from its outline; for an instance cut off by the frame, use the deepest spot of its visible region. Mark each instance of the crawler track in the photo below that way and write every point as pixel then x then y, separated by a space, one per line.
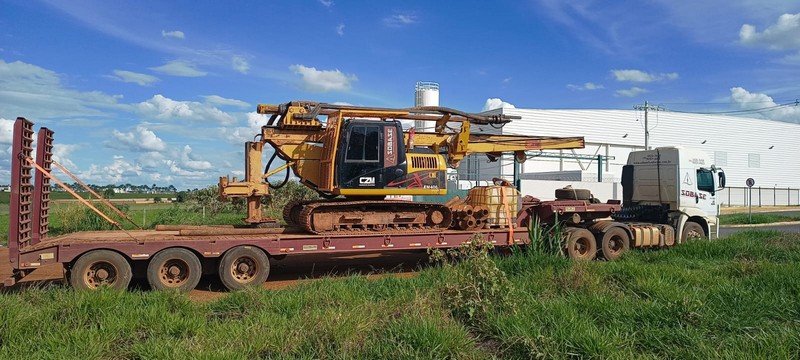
pixel 321 217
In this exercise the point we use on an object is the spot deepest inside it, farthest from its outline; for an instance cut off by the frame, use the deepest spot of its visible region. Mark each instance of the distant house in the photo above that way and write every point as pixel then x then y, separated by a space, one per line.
pixel 5 188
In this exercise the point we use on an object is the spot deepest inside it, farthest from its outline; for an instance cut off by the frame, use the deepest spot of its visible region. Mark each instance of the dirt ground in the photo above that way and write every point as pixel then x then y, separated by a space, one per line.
pixel 287 272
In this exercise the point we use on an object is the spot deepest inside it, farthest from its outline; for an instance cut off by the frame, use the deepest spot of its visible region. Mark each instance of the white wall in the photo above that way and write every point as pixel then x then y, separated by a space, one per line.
pixel 605 133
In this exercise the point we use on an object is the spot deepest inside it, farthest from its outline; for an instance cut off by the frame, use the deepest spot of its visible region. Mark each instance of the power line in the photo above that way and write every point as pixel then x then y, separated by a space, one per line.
pixel 743 111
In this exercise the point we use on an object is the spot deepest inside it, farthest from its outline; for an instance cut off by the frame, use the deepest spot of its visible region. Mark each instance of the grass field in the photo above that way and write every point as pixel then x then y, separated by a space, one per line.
pixel 733 298
pixel 757 218
pixel 71 217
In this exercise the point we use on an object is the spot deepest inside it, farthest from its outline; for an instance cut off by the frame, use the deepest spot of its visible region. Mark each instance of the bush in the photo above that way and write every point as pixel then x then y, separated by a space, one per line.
pixel 475 285
pixel 78 217
pixel 545 240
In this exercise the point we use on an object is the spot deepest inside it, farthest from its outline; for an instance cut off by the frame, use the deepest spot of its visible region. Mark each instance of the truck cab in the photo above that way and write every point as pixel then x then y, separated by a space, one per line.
pixel 671 185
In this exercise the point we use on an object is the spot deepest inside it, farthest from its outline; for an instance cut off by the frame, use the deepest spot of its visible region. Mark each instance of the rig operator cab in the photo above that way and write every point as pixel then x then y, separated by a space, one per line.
pixel 676 186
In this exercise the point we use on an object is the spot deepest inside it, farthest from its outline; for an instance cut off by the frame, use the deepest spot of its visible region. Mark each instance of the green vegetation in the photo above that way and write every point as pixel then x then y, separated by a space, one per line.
pixel 733 298
pixel 758 218
pixel 195 208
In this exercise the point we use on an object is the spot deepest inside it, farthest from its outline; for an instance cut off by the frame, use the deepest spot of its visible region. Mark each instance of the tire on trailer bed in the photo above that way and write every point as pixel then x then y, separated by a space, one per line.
pixel 614 243
pixel 580 244
pixel 243 266
pixel 174 269
pixel 693 231
pixel 99 268
pixel 573 194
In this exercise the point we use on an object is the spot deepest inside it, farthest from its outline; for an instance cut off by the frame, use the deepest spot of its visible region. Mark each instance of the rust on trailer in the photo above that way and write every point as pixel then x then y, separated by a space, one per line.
pixel 66 248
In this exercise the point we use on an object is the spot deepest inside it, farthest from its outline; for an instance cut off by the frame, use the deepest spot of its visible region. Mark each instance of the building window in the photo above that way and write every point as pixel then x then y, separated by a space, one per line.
pixel 754 160
pixel 720 158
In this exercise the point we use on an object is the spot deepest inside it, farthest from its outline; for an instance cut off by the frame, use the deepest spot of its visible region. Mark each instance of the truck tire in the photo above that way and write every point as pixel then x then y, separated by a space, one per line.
pixel 614 243
pixel 581 244
pixel 573 194
pixel 100 268
pixel 174 269
pixel 243 266
pixel 692 231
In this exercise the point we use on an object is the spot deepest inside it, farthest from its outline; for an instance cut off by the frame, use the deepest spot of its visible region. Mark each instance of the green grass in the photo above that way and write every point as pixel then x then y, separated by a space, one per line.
pixel 72 217
pixel 757 218
pixel 733 298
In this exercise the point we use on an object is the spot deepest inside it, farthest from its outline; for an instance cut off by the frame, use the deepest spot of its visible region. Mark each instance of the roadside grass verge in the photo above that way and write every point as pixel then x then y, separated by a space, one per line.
pixel 737 297
pixel 739 219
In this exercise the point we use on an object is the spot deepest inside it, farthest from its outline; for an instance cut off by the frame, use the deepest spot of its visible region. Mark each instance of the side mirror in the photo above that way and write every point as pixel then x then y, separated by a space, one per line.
pixel 721 175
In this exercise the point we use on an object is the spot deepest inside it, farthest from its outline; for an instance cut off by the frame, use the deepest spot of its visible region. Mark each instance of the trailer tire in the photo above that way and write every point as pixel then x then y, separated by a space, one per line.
pixel 692 231
pixel 100 268
pixel 614 243
pixel 243 266
pixel 581 244
pixel 573 194
pixel 174 269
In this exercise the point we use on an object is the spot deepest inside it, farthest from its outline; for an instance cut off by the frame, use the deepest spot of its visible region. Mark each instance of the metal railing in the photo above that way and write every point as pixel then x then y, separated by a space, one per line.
pixel 761 196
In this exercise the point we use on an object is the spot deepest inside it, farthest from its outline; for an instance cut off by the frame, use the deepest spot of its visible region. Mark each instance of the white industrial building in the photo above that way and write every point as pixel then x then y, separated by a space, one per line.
pixel 764 150
pixel 767 151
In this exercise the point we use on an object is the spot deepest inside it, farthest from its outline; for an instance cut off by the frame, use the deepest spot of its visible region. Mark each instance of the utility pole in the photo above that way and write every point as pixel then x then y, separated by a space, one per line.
pixel 647 107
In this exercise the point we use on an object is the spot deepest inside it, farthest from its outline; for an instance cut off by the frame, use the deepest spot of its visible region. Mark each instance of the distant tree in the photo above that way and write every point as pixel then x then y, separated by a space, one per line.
pixel 181 196
pixel 108 192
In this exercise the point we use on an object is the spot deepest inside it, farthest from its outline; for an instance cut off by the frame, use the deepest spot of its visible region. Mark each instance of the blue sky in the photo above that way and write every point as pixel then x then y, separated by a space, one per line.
pixel 165 91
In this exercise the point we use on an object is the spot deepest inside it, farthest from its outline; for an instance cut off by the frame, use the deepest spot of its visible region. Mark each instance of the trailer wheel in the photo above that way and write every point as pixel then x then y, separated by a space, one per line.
pixel 614 243
pixel 243 266
pixel 581 244
pixel 692 231
pixel 174 268
pixel 100 268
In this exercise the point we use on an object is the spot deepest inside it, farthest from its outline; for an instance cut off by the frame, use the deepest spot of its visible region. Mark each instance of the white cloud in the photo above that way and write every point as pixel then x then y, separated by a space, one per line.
pixel 141 139
pixel 36 93
pixel 221 101
pixel 783 35
pixel 238 135
pixel 745 100
pixel 495 103
pixel 118 171
pixel 634 91
pixel 507 80
pixel 641 76
pixel 191 162
pixel 586 86
pixel 323 80
pixel 61 153
pixel 134 77
pixel 151 161
pixel 326 3
pixel 340 29
pixel 165 108
pixel 6 131
pixel 240 64
pixel 173 34
pixel 398 20
pixel 179 68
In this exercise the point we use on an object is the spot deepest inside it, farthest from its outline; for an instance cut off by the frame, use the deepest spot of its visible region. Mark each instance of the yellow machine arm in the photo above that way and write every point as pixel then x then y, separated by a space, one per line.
pixel 307 135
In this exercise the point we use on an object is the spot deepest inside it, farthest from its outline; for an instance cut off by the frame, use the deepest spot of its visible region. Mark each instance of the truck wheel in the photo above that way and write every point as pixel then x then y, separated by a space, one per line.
pixel 581 244
pixel 573 194
pixel 100 268
pixel 692 231
pixel 243 266
pixel 614 243
pixel 174 268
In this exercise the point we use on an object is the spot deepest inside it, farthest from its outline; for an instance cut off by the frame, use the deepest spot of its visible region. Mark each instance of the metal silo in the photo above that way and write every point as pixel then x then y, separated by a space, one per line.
pixel 427 94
